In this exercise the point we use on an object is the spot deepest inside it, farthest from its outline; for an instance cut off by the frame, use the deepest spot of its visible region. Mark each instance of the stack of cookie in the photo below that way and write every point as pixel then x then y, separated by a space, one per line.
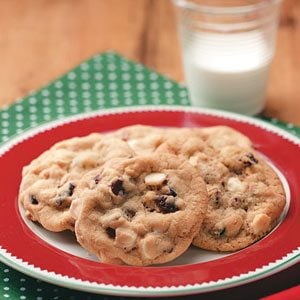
pixel 142 195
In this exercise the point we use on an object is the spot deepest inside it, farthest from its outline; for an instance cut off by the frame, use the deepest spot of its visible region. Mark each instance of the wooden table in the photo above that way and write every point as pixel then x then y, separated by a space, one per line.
pixel 41 39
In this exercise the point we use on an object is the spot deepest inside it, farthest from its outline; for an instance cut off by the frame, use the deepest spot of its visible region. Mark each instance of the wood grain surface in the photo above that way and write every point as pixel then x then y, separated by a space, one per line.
pixel 41 39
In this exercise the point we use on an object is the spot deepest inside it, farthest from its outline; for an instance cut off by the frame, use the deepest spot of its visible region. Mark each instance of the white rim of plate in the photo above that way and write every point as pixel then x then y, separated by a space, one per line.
pixel 70 282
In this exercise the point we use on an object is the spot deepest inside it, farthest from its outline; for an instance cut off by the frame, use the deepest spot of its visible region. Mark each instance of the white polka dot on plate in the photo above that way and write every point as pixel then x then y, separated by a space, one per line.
pixel 85 86
pixel 142 101
pixel 183 93
pixel 4 131
pixel 45 93
pixel 185 101
pixel 74 109
pixel 32 100
pixel 170 100
pixel 5 115
pixel 19 124
pixel 46 101
pixel 84 66
pixel 71 76
pixel 111 67
pixel 47 117
pixel 4 123
pixel 128 101
pixel 60 110
pixel 19 108
pixel 101 102
pixel 98 76
pixel 59 93
pixel 139 67
pixel 125 67
pixel 156 100
pixel 112 76
pixel 114 102
pixel 58 84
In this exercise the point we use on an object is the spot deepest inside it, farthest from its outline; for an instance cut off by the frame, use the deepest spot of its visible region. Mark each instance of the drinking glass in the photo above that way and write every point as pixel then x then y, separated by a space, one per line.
pixel 227 50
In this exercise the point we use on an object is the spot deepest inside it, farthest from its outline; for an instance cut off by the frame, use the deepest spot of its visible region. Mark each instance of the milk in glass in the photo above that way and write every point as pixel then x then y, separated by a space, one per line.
pixel 228 71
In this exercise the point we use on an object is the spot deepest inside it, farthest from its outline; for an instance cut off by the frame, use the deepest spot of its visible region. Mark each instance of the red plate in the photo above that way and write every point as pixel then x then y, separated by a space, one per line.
pixel 22 249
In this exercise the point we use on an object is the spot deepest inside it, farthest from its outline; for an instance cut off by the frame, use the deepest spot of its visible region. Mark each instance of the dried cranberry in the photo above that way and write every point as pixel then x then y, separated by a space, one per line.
pixel 71 189
pixel 117 187
pixel 111 232
pixel 97 179
pixel 252 158
pixel 218 232
pixel 172 192
pixel 34 200
pixel 59 201
pixel 164 206
pixel 248 160
pixel 130 213
pixel 215 198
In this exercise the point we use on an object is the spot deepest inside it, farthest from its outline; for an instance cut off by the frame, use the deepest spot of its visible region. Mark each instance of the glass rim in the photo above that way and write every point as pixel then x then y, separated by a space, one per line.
pixel 218 10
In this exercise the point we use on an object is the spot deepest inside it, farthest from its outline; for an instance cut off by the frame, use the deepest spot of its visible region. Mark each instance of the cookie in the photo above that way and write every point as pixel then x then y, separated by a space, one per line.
pixel 221 136
pixel 246 196
pixel 142 139
pixel 50 181
pixel 141 211
pixel 245 205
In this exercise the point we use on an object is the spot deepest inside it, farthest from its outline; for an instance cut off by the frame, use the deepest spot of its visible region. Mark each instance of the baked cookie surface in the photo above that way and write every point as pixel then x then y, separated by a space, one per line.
pixel 245 205
pixel 246 197
pixel 49 181
pixel 140 211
